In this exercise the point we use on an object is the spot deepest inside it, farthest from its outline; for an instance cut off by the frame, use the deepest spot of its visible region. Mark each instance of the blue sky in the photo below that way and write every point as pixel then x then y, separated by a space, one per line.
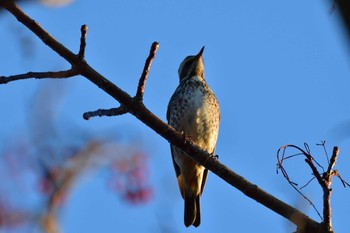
pixel 280 70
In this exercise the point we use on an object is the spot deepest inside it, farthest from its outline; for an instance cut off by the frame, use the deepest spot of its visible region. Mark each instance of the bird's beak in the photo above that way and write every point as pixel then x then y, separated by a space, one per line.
pixel 200 53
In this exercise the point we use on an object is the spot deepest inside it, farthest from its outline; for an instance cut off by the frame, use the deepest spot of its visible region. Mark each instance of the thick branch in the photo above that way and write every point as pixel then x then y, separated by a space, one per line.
pixel 137 108
pixel 327 191
pixel 37 30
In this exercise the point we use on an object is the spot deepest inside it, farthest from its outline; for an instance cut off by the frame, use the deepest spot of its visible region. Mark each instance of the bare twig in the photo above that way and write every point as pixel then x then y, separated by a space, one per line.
pixel 325 180
pixel 83 30
pixel 146 69
pixel 307 183
pixel 52 74
pixel 140 89
pixel 39 75
pixel 323 144
pixel 333 159
pixel 314 170
pixel 285 174
pixel 105 112
pixel 336 173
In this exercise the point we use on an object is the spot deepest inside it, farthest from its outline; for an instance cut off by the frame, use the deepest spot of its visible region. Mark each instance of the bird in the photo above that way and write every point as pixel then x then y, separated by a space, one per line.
pixel 194 111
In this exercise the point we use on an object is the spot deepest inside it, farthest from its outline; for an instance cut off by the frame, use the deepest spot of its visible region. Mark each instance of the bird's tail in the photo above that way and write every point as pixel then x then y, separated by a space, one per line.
pixel 192 211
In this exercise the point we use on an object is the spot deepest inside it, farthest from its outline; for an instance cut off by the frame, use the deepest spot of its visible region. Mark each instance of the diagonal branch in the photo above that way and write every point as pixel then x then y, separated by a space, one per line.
pixel 37 30
pixel 333 160
pixel 136 108
pixel 146 69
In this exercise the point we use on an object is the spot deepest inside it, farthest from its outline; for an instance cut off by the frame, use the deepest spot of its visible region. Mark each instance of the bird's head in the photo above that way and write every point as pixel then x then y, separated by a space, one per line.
pixel 191 66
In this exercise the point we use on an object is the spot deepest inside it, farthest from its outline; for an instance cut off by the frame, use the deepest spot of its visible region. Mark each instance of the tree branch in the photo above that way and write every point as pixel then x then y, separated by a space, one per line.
pixel 146 69
pixel 37 30
pixel 327 191
pixel 105 112
pixel 333 160
pixel 285 174
pixel 39 75
pixel 137 108
pixel 83 30
pixel 140 89
pixel 325 181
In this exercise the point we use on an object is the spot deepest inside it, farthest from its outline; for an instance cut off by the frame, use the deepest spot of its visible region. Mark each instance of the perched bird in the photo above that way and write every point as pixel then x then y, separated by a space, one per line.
pixel 194 111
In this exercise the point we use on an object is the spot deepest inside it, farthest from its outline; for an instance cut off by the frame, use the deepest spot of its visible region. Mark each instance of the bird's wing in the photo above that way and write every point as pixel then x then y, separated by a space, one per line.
pixel 205 175
pixel 168 109
pixel 177 171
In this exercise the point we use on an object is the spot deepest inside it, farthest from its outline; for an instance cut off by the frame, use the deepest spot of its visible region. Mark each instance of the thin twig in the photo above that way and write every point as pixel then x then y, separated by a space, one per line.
pixel 315 172
pixel 146 69
pixel 336 173
pixel 105 112
pixel 307 183
pixel 323 144
pixel 285 174
pixel 325 180
pixel 291 156
pixel 39 75
pixel 83 29
pixel 51 74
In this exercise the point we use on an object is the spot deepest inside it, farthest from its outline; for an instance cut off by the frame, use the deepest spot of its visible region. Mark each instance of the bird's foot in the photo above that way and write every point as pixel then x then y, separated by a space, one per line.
pixel 185 137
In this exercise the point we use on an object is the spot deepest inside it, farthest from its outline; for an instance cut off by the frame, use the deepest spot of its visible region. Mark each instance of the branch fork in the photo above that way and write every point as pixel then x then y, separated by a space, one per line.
pixel 74 71
pixel 138 98
pixel 324 179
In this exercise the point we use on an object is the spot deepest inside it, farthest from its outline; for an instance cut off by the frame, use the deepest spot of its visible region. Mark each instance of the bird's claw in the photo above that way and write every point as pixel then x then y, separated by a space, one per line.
pixel 185 137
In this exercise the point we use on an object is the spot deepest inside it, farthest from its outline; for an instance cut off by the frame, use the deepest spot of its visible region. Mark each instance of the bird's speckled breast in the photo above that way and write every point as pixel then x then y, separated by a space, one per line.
pixel 194 110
